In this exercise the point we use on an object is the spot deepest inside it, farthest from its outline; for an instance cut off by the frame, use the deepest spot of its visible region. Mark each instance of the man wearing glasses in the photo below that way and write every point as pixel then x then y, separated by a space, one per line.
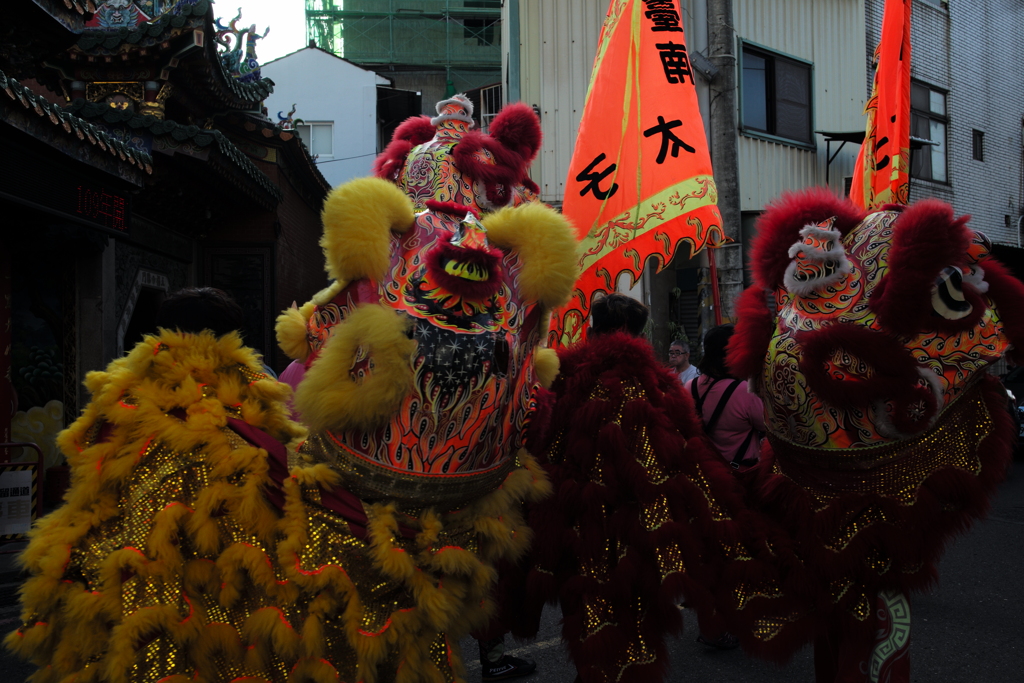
pixel 679 361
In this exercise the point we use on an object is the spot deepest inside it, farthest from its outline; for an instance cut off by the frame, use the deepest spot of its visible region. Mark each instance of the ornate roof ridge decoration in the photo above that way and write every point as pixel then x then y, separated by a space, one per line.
pixel 74 124
pixel 185 14
pixel 179 132
pixel 82 6
pixel 239 54
pixel 253 91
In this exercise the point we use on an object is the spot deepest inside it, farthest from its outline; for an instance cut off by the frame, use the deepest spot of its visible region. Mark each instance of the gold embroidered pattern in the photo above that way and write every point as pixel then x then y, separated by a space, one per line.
pixel 744 593
pixel 440 655
pixel 854 525
pixel 767 628
pixel 597 614
pixel 637 652
pixel 250 375
pixel 894 470
pixel 670 560
pixel 839 589
pixel 655 514
pixel 645 456
pixel 861 610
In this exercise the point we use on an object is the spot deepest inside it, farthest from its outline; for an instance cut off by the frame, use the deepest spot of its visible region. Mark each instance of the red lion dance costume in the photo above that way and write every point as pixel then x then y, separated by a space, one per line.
pixel 868 338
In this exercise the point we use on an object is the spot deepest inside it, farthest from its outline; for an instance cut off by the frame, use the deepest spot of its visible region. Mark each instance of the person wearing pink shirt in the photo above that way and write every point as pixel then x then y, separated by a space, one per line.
pixel 733 417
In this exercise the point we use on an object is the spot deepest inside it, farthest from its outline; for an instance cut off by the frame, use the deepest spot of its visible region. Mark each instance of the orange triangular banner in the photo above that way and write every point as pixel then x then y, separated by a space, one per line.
pixel 882 173
pixel 640 180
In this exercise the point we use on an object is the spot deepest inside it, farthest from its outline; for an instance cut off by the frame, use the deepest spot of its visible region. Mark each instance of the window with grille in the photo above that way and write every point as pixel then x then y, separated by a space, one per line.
pixel 977 145
pixel 776 95
pixel 928 120
pixel 318 136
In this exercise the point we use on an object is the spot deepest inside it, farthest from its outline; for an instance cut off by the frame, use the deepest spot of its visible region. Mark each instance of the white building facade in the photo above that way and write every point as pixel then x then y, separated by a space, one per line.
pixel 335 109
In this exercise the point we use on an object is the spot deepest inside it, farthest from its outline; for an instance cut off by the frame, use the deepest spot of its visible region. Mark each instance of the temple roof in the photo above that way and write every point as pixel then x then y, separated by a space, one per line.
pixel 161 40
pixel 74 125
pixel 200 137
pixel 184 16
pixel 301 162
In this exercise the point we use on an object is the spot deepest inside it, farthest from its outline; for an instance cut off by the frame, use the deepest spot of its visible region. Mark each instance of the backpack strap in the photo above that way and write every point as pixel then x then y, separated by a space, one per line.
pixel 698 401
pixel 738 459
pixel 722 402
pixel 709 424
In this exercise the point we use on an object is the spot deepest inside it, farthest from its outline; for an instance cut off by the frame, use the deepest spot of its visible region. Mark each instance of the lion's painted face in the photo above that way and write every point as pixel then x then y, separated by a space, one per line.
pixel 878 330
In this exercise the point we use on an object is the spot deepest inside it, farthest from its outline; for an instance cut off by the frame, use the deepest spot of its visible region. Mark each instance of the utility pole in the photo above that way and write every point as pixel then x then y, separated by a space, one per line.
pixel 725 159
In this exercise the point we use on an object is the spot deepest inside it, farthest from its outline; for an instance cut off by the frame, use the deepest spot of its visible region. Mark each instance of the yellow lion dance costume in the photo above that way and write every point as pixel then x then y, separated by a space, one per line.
pixel 185 550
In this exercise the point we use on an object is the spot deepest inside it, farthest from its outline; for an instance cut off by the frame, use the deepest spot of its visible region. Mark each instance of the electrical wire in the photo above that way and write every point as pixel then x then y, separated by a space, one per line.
pixel 371 154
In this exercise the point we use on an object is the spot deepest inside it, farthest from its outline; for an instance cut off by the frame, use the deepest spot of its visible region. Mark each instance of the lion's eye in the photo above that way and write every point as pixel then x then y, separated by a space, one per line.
pixel 948 295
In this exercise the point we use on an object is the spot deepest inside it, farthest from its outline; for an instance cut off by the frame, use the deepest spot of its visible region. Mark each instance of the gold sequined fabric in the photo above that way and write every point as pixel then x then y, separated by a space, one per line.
pixel 168 563
pixel 895 470
pixel 159 563
pixel 420 580
pixel 870 519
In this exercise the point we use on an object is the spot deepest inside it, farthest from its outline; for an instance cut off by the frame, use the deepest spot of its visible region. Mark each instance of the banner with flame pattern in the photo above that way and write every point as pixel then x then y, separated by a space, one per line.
pixel 882 172
pixel 640 180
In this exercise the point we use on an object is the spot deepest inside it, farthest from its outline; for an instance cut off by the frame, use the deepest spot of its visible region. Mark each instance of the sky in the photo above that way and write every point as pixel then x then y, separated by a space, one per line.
pixel 286 19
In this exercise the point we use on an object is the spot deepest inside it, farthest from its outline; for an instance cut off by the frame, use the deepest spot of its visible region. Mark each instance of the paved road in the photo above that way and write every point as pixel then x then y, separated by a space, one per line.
pixel 970 629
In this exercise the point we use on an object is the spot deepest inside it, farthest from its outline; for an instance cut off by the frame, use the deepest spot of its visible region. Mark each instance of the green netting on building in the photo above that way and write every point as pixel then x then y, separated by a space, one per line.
pixel 434 34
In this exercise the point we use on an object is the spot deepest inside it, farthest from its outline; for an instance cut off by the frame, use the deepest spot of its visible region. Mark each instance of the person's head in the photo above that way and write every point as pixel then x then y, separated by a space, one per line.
pixel 195 309
pixel 679 355
pixel 712 363
pixel 618 313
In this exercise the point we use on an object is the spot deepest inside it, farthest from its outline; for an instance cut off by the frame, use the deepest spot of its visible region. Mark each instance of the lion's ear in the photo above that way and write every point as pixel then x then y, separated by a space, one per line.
pixel 547 364
pixel 779 227
pixel 546 244
pixel 358 218
pixel 291 331
pixel 361 375
pixel 518 128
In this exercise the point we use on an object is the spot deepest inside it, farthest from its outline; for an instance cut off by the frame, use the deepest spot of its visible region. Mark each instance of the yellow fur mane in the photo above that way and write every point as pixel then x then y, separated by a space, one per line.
pixel 358 218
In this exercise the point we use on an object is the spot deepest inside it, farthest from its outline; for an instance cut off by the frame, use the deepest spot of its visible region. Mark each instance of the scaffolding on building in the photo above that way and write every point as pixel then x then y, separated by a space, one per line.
pixel 459 37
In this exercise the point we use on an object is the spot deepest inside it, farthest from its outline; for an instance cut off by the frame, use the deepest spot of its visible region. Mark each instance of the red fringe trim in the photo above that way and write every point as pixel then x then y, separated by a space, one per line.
pixel 748 345
pixel 411 132
pixel 599 442
pixel 518 128
pixel 454 208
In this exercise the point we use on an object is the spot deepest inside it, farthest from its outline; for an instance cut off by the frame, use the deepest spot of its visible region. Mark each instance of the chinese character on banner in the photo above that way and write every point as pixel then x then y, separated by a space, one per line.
pixel 882 172
pixel 640 181
pixel 675 62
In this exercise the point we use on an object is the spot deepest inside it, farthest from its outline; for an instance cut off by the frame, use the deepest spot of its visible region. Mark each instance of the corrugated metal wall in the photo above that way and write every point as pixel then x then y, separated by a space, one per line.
pixel 831 35
pixel 559 40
